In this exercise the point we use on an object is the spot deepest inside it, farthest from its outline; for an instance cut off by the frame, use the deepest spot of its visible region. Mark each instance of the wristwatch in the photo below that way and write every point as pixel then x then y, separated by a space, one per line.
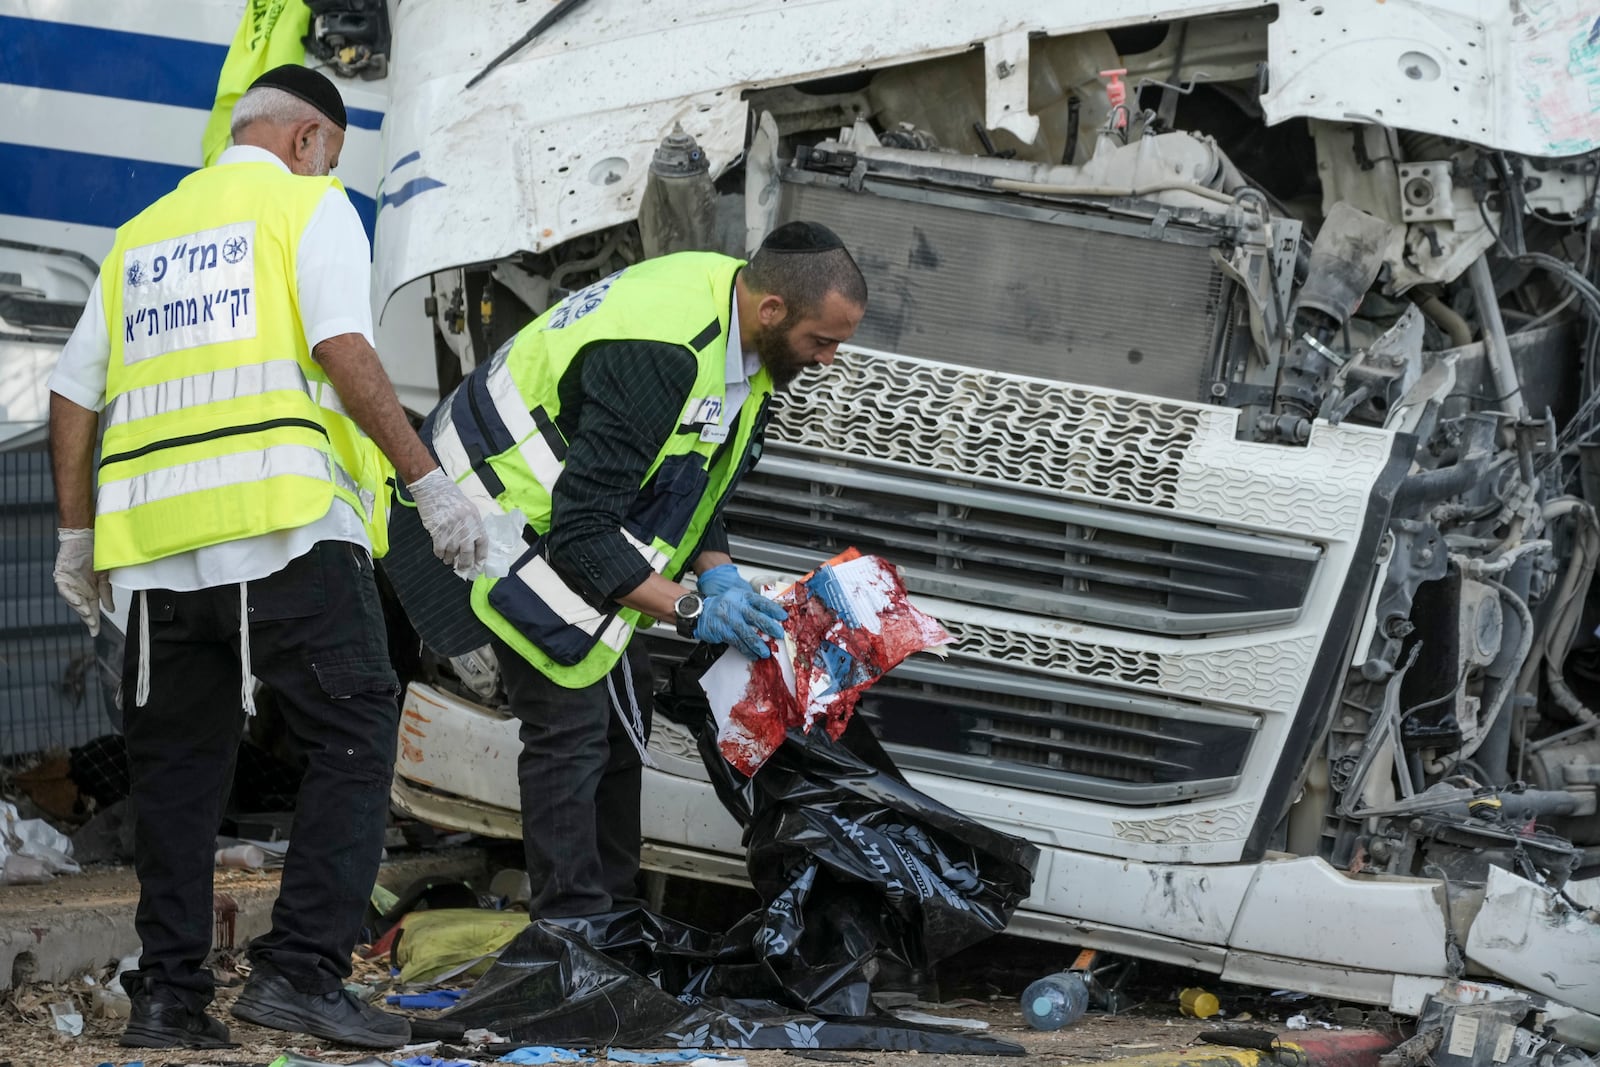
pixel 686 613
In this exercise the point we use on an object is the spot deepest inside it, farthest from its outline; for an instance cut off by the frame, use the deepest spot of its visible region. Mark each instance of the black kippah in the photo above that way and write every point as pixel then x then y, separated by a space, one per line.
pixel 802 237
pixel 310 86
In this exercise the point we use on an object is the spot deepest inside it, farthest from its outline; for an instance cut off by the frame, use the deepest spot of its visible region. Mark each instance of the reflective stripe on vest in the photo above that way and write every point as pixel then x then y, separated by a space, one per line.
pixel 219 472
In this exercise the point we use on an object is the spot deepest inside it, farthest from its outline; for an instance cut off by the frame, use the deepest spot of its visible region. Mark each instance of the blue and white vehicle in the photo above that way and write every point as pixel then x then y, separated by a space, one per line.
pixel 1228 390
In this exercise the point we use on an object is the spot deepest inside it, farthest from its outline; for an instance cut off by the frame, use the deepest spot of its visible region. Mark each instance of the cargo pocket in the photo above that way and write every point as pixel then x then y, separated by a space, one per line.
pixel 342 679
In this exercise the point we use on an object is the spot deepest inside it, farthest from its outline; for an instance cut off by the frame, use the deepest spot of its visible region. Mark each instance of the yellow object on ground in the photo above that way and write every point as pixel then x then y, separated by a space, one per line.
pixel 1198 1004
pixel 269 36
pixel 453 942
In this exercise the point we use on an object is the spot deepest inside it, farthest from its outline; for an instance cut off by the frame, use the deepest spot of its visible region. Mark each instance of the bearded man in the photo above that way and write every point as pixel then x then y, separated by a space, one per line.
pixel 618 423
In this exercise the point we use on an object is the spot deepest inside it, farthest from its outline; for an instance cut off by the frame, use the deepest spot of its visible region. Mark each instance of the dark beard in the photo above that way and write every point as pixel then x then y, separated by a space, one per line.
pixel 772 346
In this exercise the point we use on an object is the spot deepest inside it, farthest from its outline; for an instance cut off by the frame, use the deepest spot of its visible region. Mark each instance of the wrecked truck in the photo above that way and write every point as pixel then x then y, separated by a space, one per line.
pixel 1228 391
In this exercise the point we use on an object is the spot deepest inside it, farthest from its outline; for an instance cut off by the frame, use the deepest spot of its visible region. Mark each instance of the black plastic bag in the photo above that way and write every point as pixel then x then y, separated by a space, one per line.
pixel 561 983
pixel 857 869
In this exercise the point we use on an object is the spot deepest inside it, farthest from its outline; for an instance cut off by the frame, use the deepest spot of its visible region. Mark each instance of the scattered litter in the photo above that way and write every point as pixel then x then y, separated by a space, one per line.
pixel 1054 1001
pixel 1288 994
pixel 241 857
pixel 109 1004
pixel 434 998
pixel 124 965
pixel 1241 1017
pixel 1197 1003
pixel 923 1018
pixel 1295 1022
pixel 545 1054
pixel 481 1036
pixel 1139 1044
pixel 429 1061
pixel 67 1020
pixel 31 850
pixel 682 1055
pixel 441 944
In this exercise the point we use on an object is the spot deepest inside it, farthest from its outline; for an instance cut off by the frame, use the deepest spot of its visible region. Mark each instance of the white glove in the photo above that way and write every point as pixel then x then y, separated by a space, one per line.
pixel 79 584
pixel 452 521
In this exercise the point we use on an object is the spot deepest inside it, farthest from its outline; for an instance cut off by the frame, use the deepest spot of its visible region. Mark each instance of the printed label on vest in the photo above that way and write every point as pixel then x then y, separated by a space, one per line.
pixel 580 303
pixel 704 409
pixel 187 291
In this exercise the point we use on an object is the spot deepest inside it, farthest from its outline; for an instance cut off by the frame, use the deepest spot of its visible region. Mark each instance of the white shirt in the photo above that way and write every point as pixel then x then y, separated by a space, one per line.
pixel 332 280
pixel 738 368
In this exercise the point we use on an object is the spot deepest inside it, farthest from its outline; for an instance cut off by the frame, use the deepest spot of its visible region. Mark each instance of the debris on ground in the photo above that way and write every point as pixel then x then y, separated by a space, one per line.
pixel 31 850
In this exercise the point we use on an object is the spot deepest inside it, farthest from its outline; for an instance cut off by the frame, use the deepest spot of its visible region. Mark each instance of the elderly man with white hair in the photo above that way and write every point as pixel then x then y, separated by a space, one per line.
pixel 224 363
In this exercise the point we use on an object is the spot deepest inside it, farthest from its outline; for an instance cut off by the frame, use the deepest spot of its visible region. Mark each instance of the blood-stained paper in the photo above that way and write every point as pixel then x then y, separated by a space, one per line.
pixel 849 624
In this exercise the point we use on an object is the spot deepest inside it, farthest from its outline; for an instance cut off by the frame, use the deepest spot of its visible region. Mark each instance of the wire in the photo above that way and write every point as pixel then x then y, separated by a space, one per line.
pixel 1455 690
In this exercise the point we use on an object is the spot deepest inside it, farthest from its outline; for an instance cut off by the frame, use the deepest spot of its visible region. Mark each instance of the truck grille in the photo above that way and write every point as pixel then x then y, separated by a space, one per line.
pixel 1063 739
pixel 1020 552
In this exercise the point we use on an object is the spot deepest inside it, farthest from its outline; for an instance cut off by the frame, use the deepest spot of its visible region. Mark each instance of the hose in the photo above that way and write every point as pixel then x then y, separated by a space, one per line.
pixel 1568 609
pixel 1447 319
pixel 1513 669
pixel 1014 186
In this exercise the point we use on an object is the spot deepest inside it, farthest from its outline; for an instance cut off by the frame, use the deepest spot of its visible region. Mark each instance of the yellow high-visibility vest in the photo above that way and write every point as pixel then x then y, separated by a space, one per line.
pixel 496 435
pixel 269 35
pixel 218 424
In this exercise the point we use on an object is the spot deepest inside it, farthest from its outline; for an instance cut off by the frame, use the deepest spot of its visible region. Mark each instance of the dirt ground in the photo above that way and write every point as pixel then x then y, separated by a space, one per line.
pixel 26 1038
pixel 982 983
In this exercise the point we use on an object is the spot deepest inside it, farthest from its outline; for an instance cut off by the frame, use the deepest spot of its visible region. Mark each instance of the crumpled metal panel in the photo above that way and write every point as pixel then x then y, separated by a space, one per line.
pixel 557 141
pixel 1520 76
pixel 1527 935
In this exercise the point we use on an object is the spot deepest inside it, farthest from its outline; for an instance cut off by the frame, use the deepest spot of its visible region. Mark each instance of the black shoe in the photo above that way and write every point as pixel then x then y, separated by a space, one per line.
pixel 269 1000
pixel 157 1021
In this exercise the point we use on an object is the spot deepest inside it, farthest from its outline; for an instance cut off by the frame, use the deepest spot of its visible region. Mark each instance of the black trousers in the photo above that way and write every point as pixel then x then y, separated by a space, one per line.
pixel 317 638
pixel 580 779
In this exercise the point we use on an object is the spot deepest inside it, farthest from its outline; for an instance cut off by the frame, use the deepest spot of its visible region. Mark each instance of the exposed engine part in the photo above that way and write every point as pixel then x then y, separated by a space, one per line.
pixel 1507 388
pixel 679 210
pixel 352 36
pixel 1345 259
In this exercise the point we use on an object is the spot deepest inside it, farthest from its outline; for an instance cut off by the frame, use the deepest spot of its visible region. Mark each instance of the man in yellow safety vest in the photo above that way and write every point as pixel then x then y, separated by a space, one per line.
pixel 224 363
pixel 618 422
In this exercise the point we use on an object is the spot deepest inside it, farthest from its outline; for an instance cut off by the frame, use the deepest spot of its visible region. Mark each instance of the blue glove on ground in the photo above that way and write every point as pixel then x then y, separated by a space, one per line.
pixel 719 580
pixel 437 998
pixel 740 616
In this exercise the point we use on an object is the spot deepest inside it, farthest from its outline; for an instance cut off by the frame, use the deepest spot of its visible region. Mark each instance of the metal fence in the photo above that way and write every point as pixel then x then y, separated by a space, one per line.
pixel 51 694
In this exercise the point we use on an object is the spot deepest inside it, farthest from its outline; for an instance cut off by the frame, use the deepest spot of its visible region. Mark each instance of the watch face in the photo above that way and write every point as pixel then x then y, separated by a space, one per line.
pixel 689 605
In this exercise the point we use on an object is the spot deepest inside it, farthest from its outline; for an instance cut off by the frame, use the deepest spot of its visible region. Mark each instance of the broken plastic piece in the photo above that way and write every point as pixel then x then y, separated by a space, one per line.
pixel 1117 96
pixel 66 1018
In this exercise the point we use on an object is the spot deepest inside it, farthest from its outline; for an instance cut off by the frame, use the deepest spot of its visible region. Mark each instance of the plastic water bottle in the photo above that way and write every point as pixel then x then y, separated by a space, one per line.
pixel 1055 1000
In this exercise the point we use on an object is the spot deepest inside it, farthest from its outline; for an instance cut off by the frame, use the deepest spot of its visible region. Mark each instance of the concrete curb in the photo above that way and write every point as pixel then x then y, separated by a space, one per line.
pixel 78 923
pixel 1342 1048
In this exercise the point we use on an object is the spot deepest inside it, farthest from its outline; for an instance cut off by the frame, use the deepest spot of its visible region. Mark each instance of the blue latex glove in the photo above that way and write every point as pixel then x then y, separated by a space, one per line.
pixel 741 617
pixel 537 1054
pixel 438 998
pixel 719 580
